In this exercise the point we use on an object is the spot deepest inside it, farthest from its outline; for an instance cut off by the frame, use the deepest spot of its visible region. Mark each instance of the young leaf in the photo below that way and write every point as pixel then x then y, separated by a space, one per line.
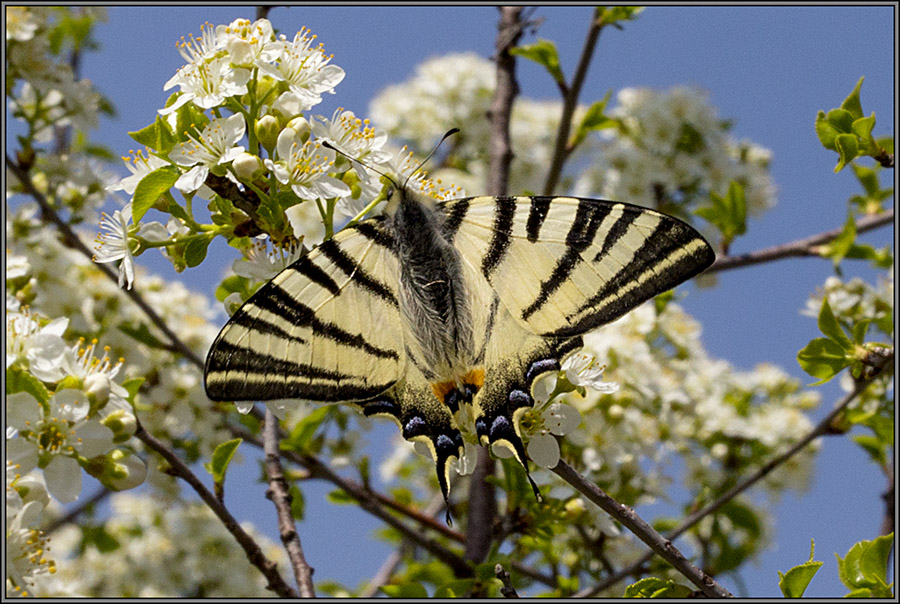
pixel 848 148
pixel 829 326
pixel 825 131
pixel 151 187
pixel 864 568
pixel 795 581
pixel 822 358
pixel 195 251
pixel 653 587
pixel 221 458
pixel 852 104
pixel 542 52
pixel 19 380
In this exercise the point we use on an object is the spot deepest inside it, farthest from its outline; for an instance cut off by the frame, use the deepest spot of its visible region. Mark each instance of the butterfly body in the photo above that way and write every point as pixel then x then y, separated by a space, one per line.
pixel 444 315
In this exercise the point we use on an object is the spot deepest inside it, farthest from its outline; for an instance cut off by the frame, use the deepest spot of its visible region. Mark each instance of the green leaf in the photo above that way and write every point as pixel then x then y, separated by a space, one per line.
pixel 865 566
pixel 304 430
pixel 19 380
pixel 829 325
pixel 133 386
pixel 873 446
pixel 195 251
pixel 862 127
pixel 610 15
pixel 728 213
pixel 157 136
pixel 825 131
pixel 151 187
pixel 544 53
pixel 652 587
pixel 852 104
pixel 406 590
pixel 340 497
pixel 822 358
pixel 221 458
pixel 298 503
pixel 796 580
pixel 868 178
pixel 848 148
pixel 594 119
pixel 141 333
pixel 838 247
pixel 841 120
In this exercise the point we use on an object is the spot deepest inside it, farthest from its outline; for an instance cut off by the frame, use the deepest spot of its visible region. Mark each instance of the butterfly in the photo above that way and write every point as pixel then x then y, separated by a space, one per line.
pixel 443 315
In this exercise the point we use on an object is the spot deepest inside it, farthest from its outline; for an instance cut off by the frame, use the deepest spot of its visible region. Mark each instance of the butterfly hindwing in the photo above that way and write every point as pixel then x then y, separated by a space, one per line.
pixel 565 265
pixel 325 328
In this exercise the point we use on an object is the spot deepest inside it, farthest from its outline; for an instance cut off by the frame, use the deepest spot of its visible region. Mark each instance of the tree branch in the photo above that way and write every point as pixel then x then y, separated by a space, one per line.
pixel 77 511
pixel 799 248
pixel 279 494
pixel 642 530
pixel 71 239
pixel 571 93
pixel 251 548
pixel 822 428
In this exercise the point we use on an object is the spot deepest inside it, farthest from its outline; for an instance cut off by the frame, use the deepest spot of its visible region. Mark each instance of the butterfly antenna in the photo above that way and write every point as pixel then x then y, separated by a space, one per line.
pixel 447 135
pixel 328 145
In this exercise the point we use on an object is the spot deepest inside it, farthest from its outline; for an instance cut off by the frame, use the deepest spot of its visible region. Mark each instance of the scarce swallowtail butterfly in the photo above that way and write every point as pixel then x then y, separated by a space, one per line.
pixel 443 315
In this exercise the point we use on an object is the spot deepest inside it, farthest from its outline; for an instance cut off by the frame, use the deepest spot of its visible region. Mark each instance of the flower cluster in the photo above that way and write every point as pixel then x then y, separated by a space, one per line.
pixel 240 134
pixel 670 148
pixel 455 90
pixel 152 557
pixel 45 96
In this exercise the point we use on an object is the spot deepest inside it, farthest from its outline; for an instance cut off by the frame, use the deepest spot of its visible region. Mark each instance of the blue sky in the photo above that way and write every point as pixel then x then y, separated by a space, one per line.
pixel 769 69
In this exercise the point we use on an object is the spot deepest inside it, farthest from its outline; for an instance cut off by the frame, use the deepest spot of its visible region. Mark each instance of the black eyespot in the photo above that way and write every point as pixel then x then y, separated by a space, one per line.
pixel 444 445
pixel 500 428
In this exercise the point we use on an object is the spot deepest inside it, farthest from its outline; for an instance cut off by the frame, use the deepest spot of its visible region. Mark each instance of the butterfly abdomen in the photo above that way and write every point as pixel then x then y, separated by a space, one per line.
pixel 434 302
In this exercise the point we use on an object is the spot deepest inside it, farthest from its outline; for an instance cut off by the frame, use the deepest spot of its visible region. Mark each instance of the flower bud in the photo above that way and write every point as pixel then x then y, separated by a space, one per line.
pixel 267 129
pixel 300 126
pixel 120 471
pixel 97 386
pixel 122 423
pixel 247 167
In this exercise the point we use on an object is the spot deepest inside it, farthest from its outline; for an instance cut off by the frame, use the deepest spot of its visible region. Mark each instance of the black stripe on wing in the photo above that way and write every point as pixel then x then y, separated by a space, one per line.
pixel 331 249
pixel 240 364
pixel 504 215
pixel 274 299
pixel 653 269
pixel 588 218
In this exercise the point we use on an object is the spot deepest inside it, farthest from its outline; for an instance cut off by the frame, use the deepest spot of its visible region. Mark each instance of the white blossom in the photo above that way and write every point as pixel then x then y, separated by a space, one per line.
pixel 207 84
pixel 304 166
pixel 113 244
pixel 216 145
pixel 305 69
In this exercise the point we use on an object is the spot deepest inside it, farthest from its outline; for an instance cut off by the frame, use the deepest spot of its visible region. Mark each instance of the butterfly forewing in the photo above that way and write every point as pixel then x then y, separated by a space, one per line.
pixel 326 328
pixel 565 265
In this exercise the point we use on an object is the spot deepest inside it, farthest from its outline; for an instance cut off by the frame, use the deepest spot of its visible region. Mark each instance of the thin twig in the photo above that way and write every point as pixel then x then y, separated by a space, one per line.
pixel 799 248
pixel 254 554
pixel 72 240
pixel 279 494
pixel 642 530
pixel 507 591
pixel 77 511
pixel 561 149
pixel 822 428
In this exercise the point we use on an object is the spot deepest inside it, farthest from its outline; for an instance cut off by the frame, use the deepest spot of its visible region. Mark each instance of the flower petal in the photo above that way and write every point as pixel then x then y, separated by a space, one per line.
pixel 544 450
pixel 63 476
pixel 561 419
